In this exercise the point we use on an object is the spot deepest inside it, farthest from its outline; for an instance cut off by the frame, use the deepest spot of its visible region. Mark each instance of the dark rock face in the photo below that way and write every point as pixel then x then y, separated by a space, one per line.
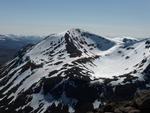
pixel 145 106
pixel 50 83
pixel 57 109
pixel 76 88
pixel 70 47
pixel 82 91
pixel 147 44
pixel 146 72
pixel 125 91
pixel 84 107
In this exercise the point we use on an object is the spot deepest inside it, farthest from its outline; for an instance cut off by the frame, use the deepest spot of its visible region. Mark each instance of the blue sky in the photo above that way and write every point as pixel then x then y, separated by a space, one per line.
pixel 104 17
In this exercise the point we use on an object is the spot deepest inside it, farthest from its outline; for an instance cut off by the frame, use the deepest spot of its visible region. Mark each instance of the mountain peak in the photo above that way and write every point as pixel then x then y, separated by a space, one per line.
pixel 63 68
pixel 75 30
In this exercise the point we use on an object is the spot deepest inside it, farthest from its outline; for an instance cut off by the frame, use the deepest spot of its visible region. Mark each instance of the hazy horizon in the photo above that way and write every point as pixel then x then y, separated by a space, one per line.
pixel 103 17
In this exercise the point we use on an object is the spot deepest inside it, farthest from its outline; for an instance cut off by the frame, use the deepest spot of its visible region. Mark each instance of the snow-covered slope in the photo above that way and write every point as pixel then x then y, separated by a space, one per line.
pixel 69 69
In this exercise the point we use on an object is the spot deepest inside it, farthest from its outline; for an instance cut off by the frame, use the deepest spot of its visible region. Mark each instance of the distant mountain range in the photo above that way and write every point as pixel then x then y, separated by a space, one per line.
pixel 76 72
pixel 10 44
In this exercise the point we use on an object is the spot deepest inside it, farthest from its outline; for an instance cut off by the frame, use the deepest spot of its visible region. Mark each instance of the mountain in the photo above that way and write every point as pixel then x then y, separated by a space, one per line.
pixel 74 71
pixel 10 44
